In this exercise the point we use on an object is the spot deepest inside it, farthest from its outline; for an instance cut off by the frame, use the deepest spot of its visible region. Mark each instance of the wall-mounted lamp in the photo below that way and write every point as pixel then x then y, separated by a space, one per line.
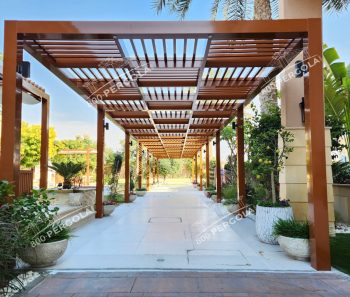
pixel 300 69
pixel 233 125
pixel 106 126
pixel 302 109
pixel 214 142
pixel 204 151
pixel 24 69
pixel 131 143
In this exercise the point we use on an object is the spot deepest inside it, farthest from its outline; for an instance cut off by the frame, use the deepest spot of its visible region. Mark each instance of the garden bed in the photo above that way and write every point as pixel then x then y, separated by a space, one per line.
pixel 340 252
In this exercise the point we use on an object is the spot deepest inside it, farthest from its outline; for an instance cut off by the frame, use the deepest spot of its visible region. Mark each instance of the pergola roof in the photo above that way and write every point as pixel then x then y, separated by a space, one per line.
pixel 172 85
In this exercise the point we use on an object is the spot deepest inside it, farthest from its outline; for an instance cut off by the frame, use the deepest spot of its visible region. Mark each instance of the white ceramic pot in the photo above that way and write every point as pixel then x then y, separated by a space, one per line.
pixel 296 248
pixel 140 193
pixel 44 254
pixel 132 197
pixel 266 217
pixel 108 209
pixel 232 208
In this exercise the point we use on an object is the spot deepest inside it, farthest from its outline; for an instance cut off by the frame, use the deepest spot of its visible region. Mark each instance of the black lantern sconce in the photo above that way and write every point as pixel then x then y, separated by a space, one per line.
pixel 214 142
pixel 106 126
pixel 302 109
pixel 301 69
pixel 24 69
pixel 233 125
pixel 131 143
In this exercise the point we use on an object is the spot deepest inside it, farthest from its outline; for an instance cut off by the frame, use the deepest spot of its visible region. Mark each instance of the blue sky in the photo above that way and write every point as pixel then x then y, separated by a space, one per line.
pixel 69 114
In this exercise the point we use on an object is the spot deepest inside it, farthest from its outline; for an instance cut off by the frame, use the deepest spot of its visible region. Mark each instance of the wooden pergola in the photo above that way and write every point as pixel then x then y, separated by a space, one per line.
pixel 173 86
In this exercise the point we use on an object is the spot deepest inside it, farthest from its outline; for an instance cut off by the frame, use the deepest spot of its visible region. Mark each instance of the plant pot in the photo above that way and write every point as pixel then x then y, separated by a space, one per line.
pixel 297 248
pixel 140 193
pixel 232 208
pixel 108 209
pixel 44 254
pixel 132 197
pixel 266 217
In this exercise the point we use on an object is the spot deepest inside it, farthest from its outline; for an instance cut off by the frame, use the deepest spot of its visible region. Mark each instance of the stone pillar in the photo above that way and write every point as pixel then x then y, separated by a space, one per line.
pixel 293 178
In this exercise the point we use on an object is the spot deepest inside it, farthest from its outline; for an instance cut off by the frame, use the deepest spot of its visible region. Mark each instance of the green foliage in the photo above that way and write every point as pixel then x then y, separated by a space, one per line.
pixel 337 132
pixel 265 155
pixel 31 142
pixel 291 228
pixel 35 219
pixel 6 191
pixel 336 5
pixel 229 192
pixel 340 252
pixel 341 172
pixel 265 203
pixel 141 189
pixel 337 95
pixel 68 171
pixel 132 184
pixel 112 170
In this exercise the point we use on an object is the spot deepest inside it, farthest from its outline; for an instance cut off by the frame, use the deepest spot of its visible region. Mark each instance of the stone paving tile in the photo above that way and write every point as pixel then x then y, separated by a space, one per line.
pixel 192 284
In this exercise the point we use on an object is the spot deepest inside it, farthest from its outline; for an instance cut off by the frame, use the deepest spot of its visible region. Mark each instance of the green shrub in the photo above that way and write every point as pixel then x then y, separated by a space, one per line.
pixel 210 188
pixel 229 192
pixel 141 189
pixel 291 228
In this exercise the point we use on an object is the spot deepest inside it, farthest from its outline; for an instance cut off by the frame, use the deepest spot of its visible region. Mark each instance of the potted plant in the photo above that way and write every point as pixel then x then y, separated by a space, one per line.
pixel 293 237
pixel 43 239
pixel 132 196
pixel 68 170
pixel 108 207
pixel 141 192
pixel 267 214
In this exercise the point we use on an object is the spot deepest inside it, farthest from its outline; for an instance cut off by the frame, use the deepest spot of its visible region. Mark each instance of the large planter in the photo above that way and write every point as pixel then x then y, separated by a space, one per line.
pixel 296 248
pixel 266 217
pixel 140 193
pixel 132 197
pixel 44 254
pixel 232 208
pixel 108 209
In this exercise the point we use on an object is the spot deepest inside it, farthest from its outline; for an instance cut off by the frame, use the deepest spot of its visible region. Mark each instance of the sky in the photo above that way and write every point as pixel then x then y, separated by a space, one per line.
pixel 70 115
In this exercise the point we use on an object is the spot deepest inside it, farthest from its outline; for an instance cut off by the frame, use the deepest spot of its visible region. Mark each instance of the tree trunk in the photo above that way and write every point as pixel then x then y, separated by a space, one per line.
pixel 268 96
pixel 273 187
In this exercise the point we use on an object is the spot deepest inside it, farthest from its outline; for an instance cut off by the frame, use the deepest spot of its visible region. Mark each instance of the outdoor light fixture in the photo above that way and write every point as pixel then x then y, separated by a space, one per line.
pixel 233 125
pixel 130 143
pixel 106 126
pixel 300 69
pixel 24 69
pixel 204 151
pixel 214 142
pixel 302 109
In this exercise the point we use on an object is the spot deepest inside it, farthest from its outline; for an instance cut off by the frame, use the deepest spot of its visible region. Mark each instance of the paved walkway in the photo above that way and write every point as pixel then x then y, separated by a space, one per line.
pixel 192 284
pixel 173 227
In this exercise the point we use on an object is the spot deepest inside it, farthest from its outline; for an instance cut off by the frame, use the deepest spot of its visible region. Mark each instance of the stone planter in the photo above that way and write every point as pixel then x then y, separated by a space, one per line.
pixel 108 209
pixel 297 248
pixel 132 197
pixel 75 199
pixel 140 193
pixel 44 254
pixel 232 208
pixel 266 217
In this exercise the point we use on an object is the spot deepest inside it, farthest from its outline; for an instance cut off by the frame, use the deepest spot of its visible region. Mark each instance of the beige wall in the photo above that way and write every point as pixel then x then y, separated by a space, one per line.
pixel 293 178
pixel 342 203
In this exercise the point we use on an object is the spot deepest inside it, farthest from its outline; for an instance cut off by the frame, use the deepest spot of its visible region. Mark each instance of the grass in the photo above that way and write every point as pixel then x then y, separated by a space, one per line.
pixel 340 251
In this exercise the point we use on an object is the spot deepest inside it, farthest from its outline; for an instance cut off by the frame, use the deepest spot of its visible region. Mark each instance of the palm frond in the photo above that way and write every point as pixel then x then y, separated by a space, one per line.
pixel 159 5
pixel 215 9
pixel 236 9
pixel 336 5
pixel 180 7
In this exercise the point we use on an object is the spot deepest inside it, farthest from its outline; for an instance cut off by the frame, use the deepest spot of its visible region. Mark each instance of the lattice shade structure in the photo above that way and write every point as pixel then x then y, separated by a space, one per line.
pixel 172 92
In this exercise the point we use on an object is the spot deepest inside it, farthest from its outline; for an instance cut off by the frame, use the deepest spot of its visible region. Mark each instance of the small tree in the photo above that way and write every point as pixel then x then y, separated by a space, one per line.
pixel 266 154
pixel 68 171
pixel 116 168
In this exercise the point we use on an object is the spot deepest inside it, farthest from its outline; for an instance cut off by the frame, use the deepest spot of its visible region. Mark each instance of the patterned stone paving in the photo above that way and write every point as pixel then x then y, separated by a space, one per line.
pixel 191 284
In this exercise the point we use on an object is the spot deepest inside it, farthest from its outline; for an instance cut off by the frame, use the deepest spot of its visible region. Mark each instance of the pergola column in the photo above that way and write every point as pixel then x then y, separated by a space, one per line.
pixel 44 146
pixel 157 169
pixel 193 164
pixel 218 168
pixel 207 164
pixel 127 167
pixel 154 170
pixel 11 108
pixel 315 150
pixel 201 170
pixel 196 168
pixel 148 171
pixel 240 160
pixel 100 161
pixel 139 167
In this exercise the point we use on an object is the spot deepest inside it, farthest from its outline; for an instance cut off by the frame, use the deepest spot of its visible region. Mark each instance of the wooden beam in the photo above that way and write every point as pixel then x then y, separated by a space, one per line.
pixel 127 168
pixel 240 160
pixel 100 162
pixel 44 143
pixel 315 151
pixel 218 168
pixel 11 108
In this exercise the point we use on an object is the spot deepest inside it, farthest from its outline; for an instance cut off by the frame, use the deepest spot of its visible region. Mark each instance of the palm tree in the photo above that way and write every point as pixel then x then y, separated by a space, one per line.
pixel 336 5
pixel 68 171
